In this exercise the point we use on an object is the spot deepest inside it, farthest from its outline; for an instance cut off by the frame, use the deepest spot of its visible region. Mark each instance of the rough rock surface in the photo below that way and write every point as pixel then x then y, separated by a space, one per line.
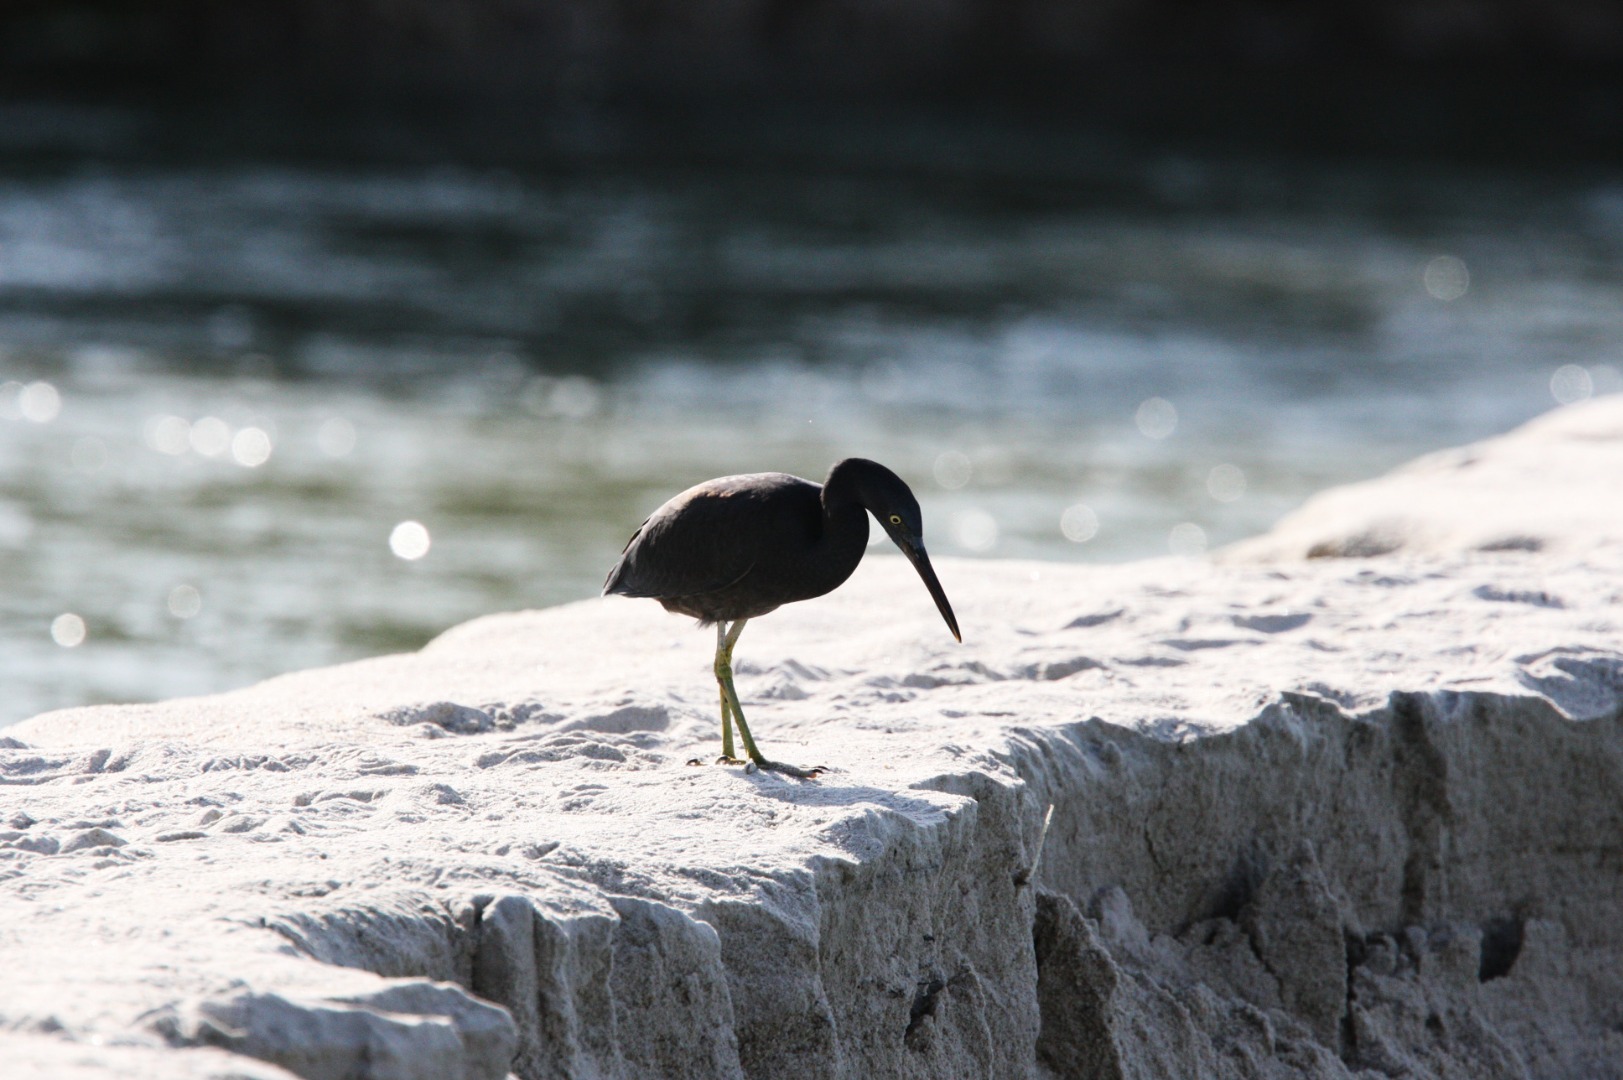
pixel 1550 486
pixel 1327 818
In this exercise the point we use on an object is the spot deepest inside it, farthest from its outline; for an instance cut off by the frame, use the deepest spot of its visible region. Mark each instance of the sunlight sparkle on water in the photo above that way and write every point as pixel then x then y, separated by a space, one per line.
pixel 1446 278
pixel 1225 483
pixel 975 530
pixel 168 434
pixel 876 532
pixel 211 436
pixel 1156 418
pixel 1570 384
pixel 39 402
pixel 1187 539
pixel 409 540
pixel 251 447
pixel 185 601
pixel 1079 523
pixel 68 630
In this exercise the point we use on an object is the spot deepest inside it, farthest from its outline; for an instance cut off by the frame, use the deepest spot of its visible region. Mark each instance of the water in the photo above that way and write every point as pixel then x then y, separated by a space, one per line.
pixel 226 388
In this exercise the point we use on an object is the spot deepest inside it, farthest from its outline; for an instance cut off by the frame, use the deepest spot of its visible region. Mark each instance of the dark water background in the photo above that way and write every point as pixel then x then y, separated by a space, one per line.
pixel 225 384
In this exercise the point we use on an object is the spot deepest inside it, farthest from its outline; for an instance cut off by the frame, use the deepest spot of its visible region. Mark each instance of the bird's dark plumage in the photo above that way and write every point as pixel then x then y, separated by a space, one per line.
pixel 740 546
pixel 730 549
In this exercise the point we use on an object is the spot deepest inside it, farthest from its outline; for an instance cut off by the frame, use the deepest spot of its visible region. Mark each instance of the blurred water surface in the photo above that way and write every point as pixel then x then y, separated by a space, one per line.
pixel 256 418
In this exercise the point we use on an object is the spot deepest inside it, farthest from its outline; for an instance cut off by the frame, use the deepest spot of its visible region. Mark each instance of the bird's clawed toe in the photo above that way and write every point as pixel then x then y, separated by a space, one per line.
pixel 794 770
pixel 763 765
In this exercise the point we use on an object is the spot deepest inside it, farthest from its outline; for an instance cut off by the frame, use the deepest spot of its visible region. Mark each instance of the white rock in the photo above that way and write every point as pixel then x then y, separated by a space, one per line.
pixel 49 1055
pixel 1551 485
pixel 490 855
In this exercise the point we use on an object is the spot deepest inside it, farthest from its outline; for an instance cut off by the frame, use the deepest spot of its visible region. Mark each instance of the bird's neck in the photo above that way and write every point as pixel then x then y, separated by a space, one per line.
pixel 845 536
pixel 846 498
pixel 843 491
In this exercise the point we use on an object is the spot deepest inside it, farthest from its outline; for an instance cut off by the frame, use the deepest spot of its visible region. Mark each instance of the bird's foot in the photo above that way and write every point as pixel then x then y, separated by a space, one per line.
pixel 793 770
pixel 761 764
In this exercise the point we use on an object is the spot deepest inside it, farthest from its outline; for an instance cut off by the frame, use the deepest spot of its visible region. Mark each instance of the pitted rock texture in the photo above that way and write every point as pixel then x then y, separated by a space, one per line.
pixel 1326 818
pixel 1548 486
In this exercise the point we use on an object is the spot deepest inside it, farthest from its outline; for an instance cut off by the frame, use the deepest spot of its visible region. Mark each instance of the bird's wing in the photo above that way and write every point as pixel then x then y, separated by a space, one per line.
pixel 612 583
pixel 696 543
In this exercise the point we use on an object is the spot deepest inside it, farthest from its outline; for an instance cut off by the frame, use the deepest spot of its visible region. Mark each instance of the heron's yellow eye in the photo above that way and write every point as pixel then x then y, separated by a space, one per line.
pixel 895 519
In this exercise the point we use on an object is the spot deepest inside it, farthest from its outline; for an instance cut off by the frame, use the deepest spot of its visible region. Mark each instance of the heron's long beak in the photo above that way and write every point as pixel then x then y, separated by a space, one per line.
pixel 921 562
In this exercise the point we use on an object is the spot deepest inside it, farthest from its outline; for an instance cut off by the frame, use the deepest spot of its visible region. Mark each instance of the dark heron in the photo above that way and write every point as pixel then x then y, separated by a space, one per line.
pixel 737 547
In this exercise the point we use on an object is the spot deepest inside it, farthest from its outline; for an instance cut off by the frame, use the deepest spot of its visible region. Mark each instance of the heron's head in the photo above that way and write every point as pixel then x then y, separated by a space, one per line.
pixel 898 514
pixel 888 498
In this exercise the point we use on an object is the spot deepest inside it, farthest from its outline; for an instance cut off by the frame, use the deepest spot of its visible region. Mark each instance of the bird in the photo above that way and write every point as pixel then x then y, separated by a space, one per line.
pixel 734 548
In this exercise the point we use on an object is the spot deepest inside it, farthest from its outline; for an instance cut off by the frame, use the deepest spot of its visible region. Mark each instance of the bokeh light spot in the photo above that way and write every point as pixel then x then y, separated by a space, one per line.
pixel 1570 384
pixel 39 402
pixel 876 532
pixel 68 630
pixel 251 447
pixel 1225 483
pixel 168 434
pixel 1079 523
pixel 1156 418
pixel 975 530
pixel 211 436
pixel 185 601
pixel 409 540
pixel 952 470
pixel 1446 278
pixel 1187 539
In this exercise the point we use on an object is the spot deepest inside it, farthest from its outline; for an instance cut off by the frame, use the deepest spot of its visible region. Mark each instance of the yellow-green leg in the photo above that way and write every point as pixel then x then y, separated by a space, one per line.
pixel 723 655
pixel 729 705
pixel 727 755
